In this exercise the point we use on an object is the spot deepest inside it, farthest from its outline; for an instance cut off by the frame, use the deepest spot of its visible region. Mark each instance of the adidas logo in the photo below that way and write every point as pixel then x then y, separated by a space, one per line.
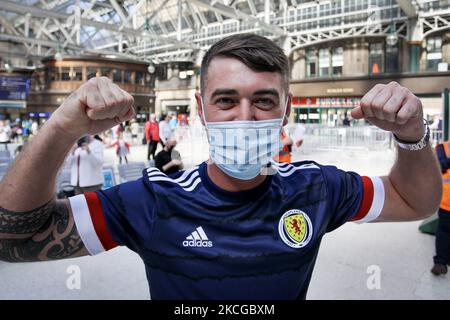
pixel 197 238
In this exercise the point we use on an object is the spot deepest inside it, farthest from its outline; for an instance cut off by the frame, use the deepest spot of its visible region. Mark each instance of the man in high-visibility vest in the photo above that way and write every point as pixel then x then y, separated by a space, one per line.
pixel 285 153
pixel 442 257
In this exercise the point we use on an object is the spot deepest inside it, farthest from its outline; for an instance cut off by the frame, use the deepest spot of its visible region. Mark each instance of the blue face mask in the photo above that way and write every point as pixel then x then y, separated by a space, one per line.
pixel 241 149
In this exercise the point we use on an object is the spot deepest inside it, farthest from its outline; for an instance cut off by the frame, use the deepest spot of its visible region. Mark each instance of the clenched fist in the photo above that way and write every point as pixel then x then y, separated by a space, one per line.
pixel 393 108
pixel 97 105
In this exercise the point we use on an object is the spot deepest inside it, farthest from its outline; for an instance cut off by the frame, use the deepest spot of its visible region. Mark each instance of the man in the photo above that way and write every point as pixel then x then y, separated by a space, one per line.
pixel 5 132
pixel 442 257
pixel 168 160
pixel 152 136
pixel 223 229
pixel 86 163
pixel 285 154
pixel 134 128
pixel 165 132
pixel 173 122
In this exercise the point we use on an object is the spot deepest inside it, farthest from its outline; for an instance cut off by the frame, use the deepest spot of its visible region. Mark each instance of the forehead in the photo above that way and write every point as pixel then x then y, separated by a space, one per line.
pixel 231 73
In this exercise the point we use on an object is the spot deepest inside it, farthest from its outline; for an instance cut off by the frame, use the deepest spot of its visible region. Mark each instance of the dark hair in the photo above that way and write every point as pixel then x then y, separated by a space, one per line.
pixel 256 52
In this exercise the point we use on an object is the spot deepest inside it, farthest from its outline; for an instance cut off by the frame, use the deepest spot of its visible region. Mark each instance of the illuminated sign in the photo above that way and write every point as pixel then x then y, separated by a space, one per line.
pixel 14 88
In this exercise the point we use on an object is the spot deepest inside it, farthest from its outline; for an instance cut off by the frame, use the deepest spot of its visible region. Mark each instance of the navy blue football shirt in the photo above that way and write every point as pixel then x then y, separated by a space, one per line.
pixel 201 242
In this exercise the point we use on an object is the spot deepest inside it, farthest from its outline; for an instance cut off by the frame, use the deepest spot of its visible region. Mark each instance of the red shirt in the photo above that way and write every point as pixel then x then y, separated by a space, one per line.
pixel 152 131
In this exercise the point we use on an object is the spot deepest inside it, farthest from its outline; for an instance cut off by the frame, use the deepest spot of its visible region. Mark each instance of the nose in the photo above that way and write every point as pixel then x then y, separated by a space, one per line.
pixel 246 111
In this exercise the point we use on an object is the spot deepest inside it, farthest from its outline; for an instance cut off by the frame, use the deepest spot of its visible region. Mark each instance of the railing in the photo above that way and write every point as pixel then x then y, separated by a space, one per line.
pixel 338 138
pixel 358 138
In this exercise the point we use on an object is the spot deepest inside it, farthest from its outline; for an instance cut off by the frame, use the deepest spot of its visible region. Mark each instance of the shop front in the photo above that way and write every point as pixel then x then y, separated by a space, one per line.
pixel 330 111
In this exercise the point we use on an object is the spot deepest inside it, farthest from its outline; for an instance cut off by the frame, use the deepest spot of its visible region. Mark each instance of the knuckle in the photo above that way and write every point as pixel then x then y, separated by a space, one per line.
pixel 379 86
pixel 377 104
pixel 401 119
pixel 393 84
pixel 389 109
pixel 404 91
pixel 404 115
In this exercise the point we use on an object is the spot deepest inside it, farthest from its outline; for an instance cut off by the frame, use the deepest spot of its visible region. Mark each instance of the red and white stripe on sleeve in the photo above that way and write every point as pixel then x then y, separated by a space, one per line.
pixel 90 221
pixel 372 201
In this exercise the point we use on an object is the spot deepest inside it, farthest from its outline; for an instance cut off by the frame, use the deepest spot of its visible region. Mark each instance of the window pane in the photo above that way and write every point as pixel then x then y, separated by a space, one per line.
pixel 376 58
pixel 434 53
pixel 337 61
pixel 127 76
pixel 77 74
pixel 311 63
pixel 139 78
pixel 105 72
pixel 91 73
pixel 117 75
pixel 52 74
pixel 324 62
pixel 391 59
pixel 65 74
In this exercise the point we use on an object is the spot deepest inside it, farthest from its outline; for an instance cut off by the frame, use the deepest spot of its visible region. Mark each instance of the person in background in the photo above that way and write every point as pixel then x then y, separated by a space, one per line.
pixel 5 132
pixel 34 128
pixel 173 123
pixel 152 136
pixel 285 153
pixel 437 123
pixel 134 127
pixel 15 129
pixel 25 129
pixel 442 257
pixel 122 148
pixel 299 134
pixel 86 162
pixel 168 160
pixel 346 121
pixel 165 133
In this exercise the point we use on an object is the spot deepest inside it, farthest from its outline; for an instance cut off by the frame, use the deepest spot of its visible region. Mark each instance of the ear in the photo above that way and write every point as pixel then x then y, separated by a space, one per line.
pixel 288 109
pixel 198 98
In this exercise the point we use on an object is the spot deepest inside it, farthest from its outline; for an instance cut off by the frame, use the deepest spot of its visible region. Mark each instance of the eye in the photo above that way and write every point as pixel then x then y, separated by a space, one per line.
pixel 225 102
pixel 264 103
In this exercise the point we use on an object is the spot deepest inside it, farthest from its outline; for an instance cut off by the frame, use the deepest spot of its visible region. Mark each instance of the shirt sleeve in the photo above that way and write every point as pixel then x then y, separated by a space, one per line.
pixel 352 197
pixel 119 216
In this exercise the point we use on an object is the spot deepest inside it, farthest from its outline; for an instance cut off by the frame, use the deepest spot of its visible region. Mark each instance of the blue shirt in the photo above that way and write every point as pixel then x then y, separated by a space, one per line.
pixel 199 241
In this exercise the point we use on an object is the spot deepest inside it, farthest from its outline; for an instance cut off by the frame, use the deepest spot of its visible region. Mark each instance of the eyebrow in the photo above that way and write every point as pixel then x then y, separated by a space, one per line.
pixel 260 92
pixel 224 91
pixel 270 91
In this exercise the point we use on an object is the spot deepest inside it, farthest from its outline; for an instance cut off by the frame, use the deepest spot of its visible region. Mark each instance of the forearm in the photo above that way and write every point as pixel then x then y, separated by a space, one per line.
pixel 45 233
pixel 168 166
pixel 416 177
pixel 30 181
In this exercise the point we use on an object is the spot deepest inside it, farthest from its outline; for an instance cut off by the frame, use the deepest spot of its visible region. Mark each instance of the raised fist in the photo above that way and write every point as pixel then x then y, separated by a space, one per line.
pixel 393 108
pixel 96 106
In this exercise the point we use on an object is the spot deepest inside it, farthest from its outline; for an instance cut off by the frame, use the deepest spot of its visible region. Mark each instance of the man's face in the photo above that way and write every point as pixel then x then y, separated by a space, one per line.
pixel 171 143
pixel 233 91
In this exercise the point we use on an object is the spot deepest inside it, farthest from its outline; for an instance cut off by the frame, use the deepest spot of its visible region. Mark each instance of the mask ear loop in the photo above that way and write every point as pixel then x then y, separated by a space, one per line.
pixel 202 101
pixel 284 114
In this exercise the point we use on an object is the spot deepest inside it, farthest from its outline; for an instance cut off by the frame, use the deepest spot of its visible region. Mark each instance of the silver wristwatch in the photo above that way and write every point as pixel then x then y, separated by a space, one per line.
pixel 415 146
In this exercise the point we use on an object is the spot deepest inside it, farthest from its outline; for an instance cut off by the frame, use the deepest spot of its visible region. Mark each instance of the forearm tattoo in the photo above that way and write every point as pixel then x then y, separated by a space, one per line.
pixel 46 233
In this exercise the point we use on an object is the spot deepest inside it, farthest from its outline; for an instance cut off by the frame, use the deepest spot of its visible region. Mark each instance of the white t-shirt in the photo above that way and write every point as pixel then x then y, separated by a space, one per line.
pixel 4 133
pixel 164 131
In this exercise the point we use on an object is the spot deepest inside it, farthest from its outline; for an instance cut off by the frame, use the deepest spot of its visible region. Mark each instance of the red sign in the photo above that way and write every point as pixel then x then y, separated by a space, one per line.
pixel 342 102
